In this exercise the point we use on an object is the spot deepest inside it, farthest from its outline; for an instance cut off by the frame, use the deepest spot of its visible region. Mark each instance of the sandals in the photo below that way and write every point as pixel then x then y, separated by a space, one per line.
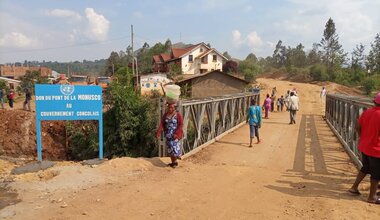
pixel 173 165
pixel 376 202
pixel 354 192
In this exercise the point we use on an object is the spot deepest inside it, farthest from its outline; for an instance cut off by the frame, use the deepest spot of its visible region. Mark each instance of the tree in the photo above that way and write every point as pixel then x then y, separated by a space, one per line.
pixel 225 54
pixel 333 55
pixel 230 67
pixel 279 54
pixel 30 79
pixel 174 69
pixel 168 45
pixel 113 63
pixel 129 122
pixel 314 57
pixel 358 58
pixel 251 58
pixel 3 85
pixel 249 70
pixel 373 63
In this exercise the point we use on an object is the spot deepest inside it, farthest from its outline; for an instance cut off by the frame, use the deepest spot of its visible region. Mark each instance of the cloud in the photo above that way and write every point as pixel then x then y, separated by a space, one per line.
pixel 63 13
pixel 236 38
pixel 355 21
pixel 98 25
pixel 253 40
pixel 18 40
pixel 138 14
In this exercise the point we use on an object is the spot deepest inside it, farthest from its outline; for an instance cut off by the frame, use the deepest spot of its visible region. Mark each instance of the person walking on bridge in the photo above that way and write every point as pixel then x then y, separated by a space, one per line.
pixel 267 105
pixel 293 107
pixel 368 127
pixel 323 94
pixel 254 118
pixel 172 124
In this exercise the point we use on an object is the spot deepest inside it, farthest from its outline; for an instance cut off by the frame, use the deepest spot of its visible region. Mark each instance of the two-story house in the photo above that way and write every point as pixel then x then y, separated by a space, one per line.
pixel 195 59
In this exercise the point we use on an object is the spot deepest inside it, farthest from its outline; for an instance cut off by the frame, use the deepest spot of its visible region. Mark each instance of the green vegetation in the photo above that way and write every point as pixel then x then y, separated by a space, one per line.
pixel 128 124
pixel 130 121
pixel 31 78
pixel 95 68
pixel 326 61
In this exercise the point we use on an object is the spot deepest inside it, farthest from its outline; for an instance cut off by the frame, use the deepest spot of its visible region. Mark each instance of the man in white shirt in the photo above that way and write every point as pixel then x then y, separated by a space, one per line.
pixel 323 94
pixel 293 107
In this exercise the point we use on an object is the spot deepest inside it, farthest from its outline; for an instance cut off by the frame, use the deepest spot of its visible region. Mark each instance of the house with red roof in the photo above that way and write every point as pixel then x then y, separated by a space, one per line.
pixel 194 59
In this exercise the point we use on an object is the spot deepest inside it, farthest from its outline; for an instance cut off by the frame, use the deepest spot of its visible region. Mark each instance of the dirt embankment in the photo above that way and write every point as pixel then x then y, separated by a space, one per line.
pixel 300 78
pixel 18 136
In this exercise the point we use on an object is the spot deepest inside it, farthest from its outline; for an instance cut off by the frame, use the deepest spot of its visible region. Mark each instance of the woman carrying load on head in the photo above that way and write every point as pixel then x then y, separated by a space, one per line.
pixel 171 124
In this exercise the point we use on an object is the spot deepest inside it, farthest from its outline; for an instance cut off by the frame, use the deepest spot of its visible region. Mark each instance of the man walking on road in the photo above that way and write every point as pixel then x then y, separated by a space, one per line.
pixel 11 97
pixel 28 97
pixel 323 94
pixel 254 118
pixel 293 107
pixel 368 127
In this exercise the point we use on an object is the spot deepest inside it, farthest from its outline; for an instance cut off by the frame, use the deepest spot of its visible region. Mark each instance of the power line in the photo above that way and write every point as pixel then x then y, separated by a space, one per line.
pixel 68 46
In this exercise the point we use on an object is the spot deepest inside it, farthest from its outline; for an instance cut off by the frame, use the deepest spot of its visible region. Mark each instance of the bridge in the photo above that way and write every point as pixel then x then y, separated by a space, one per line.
pixel 299 171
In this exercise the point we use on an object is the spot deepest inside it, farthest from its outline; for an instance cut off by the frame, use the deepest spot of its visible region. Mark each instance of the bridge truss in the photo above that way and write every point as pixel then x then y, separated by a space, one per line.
pixel 207 119
pixel 342 113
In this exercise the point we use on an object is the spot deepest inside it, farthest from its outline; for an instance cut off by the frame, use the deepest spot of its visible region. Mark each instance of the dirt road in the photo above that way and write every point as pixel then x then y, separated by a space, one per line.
pixel 297 172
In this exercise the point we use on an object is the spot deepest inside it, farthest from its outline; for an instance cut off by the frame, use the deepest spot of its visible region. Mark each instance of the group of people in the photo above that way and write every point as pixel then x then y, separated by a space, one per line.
pixel 368 127
pixel 290 101
pixel 11 98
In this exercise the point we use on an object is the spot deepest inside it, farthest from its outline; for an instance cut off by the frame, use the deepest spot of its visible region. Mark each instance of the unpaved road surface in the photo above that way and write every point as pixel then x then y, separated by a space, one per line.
pixel 298 172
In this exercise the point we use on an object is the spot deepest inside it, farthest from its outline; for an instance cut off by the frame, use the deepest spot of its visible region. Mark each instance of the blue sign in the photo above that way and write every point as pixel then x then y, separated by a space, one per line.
pixel 68 102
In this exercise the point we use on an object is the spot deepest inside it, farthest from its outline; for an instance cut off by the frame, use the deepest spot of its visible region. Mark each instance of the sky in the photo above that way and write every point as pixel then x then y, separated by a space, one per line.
pixel 72 30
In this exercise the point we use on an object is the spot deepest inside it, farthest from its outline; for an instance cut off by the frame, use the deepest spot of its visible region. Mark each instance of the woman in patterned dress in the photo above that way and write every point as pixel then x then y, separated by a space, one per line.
pixel 171 124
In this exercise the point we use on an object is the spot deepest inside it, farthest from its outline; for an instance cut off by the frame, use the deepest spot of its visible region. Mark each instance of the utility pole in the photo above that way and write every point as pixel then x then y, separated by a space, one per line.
pixel 133 54
pixel 68 70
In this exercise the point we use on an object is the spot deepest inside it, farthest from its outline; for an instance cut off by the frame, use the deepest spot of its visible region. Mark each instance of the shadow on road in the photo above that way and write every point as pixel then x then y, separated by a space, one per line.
pixel 234 143
pixel 320 168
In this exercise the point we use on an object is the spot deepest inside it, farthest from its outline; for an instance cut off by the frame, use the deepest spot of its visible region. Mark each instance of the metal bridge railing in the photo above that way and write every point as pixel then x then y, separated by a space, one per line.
pixel 342 113
pixel 209 118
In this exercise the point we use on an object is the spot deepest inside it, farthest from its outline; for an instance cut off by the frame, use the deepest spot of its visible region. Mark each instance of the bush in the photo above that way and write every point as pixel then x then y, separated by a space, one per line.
pixel 319 73
pixel 130 122
pixel 369 84
pixel 128 125
pixel 83 139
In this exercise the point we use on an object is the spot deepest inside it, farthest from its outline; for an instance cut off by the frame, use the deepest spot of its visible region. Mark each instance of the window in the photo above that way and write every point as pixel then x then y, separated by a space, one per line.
pixel 155 85
pixel 214 58
pixel 190 58
pixel 201 50
pixel 148 85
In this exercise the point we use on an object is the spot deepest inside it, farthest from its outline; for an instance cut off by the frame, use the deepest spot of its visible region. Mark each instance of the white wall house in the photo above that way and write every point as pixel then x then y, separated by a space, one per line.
pixel 194 59
pixel 202 59
pixel 151 82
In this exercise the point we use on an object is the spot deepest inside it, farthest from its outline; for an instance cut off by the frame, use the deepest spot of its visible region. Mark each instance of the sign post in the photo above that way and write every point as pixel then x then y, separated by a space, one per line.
pixel 67 102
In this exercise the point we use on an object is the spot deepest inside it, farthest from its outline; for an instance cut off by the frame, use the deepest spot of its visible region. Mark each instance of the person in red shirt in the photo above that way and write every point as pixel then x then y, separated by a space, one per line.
pixel 368 127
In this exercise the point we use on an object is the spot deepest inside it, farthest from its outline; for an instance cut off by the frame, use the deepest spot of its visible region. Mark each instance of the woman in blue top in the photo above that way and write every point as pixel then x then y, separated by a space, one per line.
pixel 254 118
